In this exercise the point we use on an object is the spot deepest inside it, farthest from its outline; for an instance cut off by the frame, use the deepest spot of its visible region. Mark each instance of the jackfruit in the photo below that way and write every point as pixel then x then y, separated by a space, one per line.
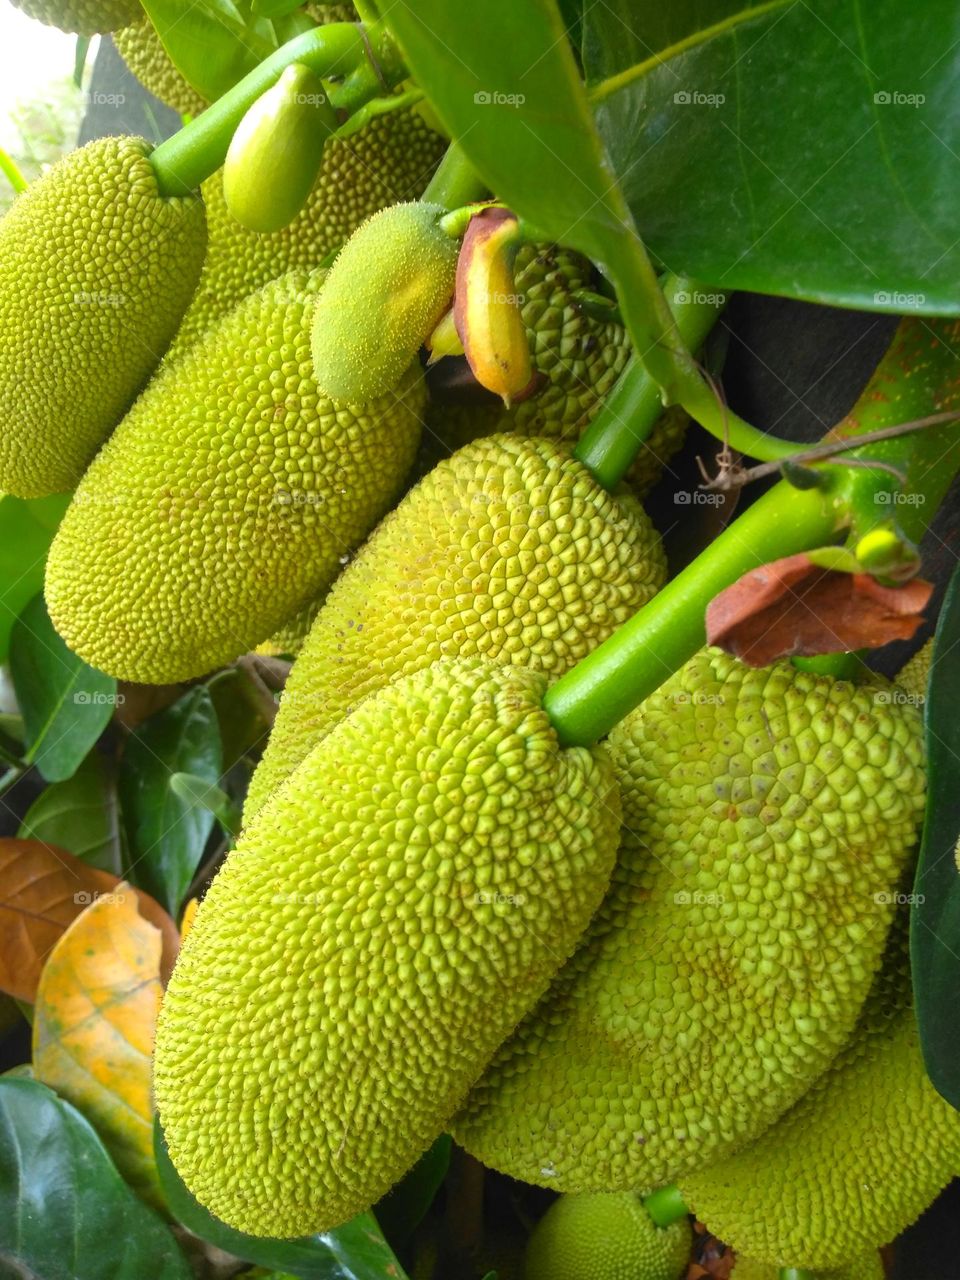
pixel 855 1161
pixel 142 50
pixel 867 1267
pixel 96 269
pixel 83 17
pixel 913 676
pixel 767 816
pixel 375 935
pixel 390 284
pixel 226 500
pixel 509 550
pixel 390 160
pixel 605 1237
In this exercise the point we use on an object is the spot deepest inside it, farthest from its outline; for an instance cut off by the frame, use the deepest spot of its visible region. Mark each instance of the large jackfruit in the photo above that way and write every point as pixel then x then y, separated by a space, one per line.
pixel 226 500
pixel 142 50
pixel 390 160
pixel 84 17
pixel 96 269
pixel 767 816
pixel 375 935
pixel 510 551
pixel 858 1158
pixel 867 1267
pixel 605 1237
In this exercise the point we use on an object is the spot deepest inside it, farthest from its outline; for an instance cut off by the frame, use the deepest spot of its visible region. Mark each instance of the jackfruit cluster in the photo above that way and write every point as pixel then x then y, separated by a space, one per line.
pixel 226 500
pixel 605 1237
pixel 375 935
pixel 858 1158
pixel 868 1267
pixel 142 50
pixel 96 270
pixel 83 17
pixel 509 550
pixel 767 817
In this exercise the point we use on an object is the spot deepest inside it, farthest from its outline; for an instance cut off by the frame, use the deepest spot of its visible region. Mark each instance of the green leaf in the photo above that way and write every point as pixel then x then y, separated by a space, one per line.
pixel 935 911
pixel 355 1251
pixel 65 1212
pixel 745 168
pixel 165 833
pixel 197 791
pixel 26 531
pixel 65 704
pixel 80 815
pixel 402 1209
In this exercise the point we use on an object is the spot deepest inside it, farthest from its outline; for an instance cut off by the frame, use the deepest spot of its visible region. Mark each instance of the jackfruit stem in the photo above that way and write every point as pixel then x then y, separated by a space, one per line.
pixel 630 412
pixel 342 49
pixel 796 1273
pixel 666 1205
pixel 455 182
pixel 918 374
pixel 10 170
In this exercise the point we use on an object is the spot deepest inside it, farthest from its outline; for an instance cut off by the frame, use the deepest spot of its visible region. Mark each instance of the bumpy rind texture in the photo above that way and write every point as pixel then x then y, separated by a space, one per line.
pixel 605 1237
pixel 227 499
pixel 579 358
pixel 388 161
pixel 912 678
pixel 510 551
pixel 858 1158
pixel 96 269
pixel 390 284
pixel 373 938
pixel 142 50
pixel 867 1267
pixel 84 17
pixel 767 816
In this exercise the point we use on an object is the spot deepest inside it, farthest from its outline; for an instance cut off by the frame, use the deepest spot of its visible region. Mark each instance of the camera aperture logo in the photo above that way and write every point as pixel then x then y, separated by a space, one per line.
pixel 494 98
pixel 694 98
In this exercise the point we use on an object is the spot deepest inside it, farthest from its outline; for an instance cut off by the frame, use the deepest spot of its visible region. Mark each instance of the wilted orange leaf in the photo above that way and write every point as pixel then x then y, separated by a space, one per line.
pixel 186 920
pixel 94 1022
pixel 42 889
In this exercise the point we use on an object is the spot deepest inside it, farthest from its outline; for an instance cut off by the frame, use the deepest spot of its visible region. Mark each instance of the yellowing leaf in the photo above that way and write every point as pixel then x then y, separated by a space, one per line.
pixel 94 1023
pixel 186 920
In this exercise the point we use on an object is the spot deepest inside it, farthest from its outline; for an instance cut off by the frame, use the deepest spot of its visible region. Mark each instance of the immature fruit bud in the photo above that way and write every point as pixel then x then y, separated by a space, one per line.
pixel 390 285
pixel 605 1236
pixel 275 154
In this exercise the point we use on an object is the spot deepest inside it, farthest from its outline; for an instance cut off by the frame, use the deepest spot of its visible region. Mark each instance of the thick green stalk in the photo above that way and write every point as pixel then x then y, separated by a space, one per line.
pixel 796 1273
pixel 11 172
pixel 919 375
pixel 665 1206
pixel 456 182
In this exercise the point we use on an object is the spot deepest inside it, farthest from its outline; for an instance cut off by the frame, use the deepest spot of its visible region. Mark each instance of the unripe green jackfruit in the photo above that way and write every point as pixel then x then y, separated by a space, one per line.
pixel 96 269
pixel 142 50
pixel 375 935
pixel 83 17
pixel 868 1267
pixel 390 284
pixel 858 1158
pixel 767 816
pixel 227 499
pixel 605 1237
pixel 509 550
pixel 390 160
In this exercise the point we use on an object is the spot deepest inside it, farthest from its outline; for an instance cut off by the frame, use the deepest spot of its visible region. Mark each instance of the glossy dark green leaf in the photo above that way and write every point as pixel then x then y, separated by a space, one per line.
pixel 196 791
pixel 65 704
pixel 65 1212
pixel 26 530
pixel 935 912
pixel 799 149
pixel 80 815
pixel 165 833
pixel 355 1251
pixel 404 1206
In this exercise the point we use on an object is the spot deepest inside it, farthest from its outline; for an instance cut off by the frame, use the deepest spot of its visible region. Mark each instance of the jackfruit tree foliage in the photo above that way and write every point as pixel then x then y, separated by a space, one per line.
pixel 96 270
pixel 84 17
pixel 375 935
pixel 605 1236
pixel 509 550
pixel 226 500
pixel 858 1158
pixel 767 817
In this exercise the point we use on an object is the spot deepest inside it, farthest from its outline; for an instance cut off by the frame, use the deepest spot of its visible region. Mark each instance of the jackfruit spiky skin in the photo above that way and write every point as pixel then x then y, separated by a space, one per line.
pixel 605 1237
pixel 96 269
pixel 226 500
pixel 83 17
pixel 376 934
pixel 510 551
pixel 142 50
pixel 855 1161
pixel 390 160
pixel 390 284
pixel 867 1267
pixel 913 676
pixel 767 816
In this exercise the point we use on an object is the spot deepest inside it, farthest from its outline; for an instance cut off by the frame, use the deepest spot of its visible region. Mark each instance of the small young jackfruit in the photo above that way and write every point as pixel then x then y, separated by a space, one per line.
pixel 767 817
pixel 83 17
pixel 142 50
pixel 376 934
pixel 855 1161
pixel 96 269
pixel 605 1237
pixel 388 287
pixel 867 1267
pixel 509 550
pixel 226 500
pixel 391 159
